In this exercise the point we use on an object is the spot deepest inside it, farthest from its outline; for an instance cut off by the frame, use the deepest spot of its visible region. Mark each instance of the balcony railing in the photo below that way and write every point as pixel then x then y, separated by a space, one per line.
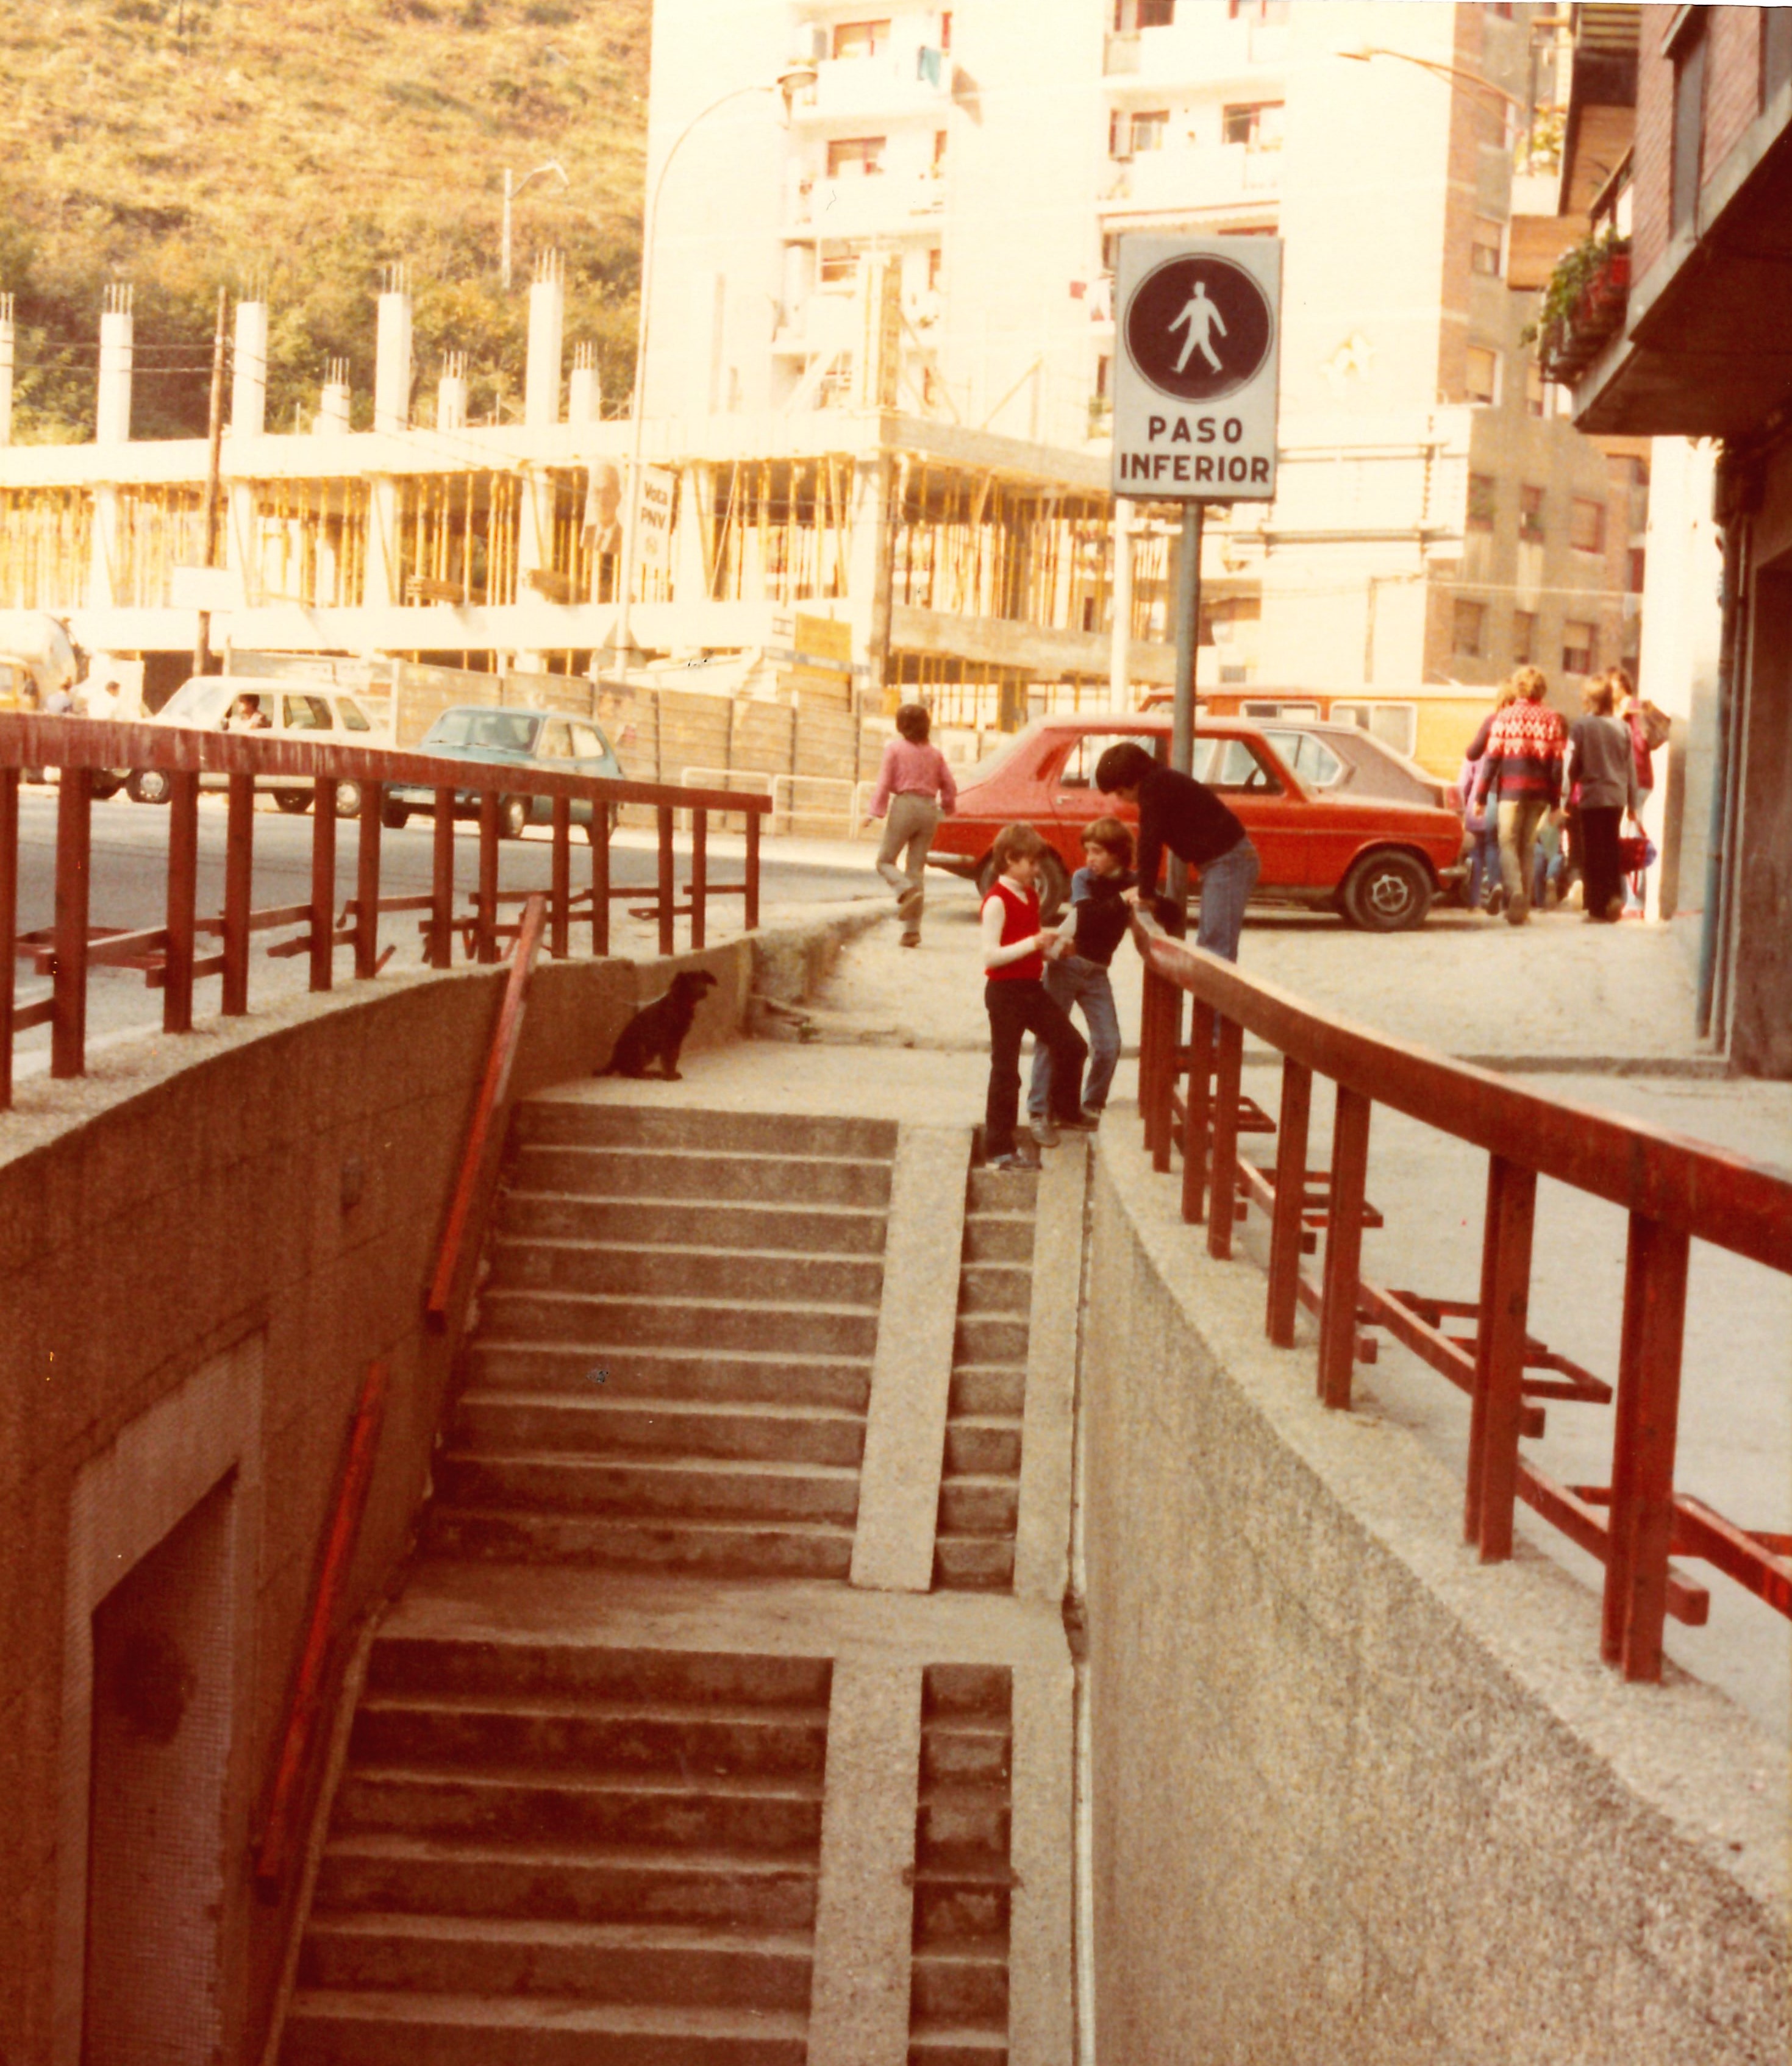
pixel 865 204
pixel 908 82
pixel 1202 47
pixel 1209 175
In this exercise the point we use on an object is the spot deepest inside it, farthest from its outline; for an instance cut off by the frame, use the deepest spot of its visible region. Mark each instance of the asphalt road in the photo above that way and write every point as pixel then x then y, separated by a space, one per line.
pixel 128 877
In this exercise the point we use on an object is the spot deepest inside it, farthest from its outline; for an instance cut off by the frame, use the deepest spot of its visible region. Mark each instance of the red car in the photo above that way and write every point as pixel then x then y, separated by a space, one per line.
pixel 1377 861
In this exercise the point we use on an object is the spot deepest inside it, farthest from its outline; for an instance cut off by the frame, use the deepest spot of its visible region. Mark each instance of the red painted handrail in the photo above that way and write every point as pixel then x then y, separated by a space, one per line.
pixel 1675 1190
pixel 285 1802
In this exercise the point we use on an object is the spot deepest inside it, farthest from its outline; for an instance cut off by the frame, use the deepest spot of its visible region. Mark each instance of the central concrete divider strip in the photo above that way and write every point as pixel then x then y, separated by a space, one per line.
pixel 1042 1529
pixel 1040 1853
pixel 859 1994
pixel 911 1372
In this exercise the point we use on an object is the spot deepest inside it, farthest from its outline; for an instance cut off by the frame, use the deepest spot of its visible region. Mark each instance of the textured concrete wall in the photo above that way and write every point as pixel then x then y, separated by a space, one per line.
pixel 280 1185
pixel 1356 1797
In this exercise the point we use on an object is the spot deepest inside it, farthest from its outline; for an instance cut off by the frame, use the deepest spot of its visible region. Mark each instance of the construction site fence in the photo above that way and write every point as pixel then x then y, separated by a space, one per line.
pixel 1676 1191
pixel 167 955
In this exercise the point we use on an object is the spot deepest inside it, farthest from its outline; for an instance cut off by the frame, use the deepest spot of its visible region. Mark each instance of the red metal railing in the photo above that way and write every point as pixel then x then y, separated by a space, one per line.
pixel 1675 1190
pixel 168 954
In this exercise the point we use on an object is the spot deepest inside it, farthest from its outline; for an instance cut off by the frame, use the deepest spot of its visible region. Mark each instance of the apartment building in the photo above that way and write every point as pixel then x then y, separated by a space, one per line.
pixel 1439 520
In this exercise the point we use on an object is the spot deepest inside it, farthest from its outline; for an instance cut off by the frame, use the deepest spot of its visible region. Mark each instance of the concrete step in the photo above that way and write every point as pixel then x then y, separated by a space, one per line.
pixel 998 1238
pixel 959 1909
pixel 978 1506
pixel 791 1377
pixel 982 1691
pixel 1015 1191
pixel 662 1173
pixel 981 1390
pixel 565 1883
pixel 963 1824
pixel 672 1126
pixel 619 1324
pixel 966 1748
pixel 982 1447
pixel 653 1678
pixel 945 2042
pixel 599 1424
pixel 989 1338
pixel 996 1287
pixel 687 1223
pixel 596 1962
pixel 757 1548
pixel 405 2029
pixel 967 1984
pixel 771 1813
pixel 541 1729
pixel 711 1489
pixel 750 1276
pixel 974 1563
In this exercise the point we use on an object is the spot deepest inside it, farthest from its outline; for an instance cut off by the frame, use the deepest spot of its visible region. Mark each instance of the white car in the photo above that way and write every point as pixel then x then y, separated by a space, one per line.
pixel 316 712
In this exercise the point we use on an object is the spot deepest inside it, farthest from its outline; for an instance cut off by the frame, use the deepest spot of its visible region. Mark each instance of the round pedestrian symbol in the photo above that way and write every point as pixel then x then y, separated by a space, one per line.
pixel 1198 328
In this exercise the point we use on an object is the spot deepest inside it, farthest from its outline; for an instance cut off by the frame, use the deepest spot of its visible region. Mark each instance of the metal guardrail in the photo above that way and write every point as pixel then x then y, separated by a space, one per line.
pixel 167 955
pixel 1675 1190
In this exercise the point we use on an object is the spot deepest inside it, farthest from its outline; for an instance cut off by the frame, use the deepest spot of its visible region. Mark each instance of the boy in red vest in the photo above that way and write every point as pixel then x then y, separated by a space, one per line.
pixel 1015 946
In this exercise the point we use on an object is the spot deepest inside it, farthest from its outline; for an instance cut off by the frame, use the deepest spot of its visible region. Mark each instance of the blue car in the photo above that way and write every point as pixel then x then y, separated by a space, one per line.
pixel 543 742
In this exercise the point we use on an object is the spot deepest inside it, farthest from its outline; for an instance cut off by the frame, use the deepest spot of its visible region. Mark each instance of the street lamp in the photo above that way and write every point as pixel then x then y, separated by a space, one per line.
pixel 554 166
pixel 790 82
pixel 1439 70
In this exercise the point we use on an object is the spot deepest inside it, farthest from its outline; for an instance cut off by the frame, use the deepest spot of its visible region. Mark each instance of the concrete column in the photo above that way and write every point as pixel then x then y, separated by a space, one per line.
pixel 249 381
pixel 868 575
pixel 392 379
pixel 6 369
pixel 332 415
pixel 584 395
pixel 547 324
pixel 451 393
pixel 1120 662
pixel 382 590
pixel 112 425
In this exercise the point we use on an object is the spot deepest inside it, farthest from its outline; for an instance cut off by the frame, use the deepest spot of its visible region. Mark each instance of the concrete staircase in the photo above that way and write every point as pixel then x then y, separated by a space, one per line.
pixel 958 1977
pixel 979 1492
pixel 673 1355
pixel 544 1854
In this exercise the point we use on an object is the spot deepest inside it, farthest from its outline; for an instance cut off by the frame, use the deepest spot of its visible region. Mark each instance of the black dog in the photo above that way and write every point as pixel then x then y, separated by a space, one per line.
pixel 658 1029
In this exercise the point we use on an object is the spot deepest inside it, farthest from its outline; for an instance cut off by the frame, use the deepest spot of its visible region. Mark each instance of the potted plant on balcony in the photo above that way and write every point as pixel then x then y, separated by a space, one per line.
pixel 1582 305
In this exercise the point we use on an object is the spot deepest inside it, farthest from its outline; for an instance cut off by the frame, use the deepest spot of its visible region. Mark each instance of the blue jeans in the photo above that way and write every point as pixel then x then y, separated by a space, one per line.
pixel 1075 981
pixel 1484 861
pixel 1226 883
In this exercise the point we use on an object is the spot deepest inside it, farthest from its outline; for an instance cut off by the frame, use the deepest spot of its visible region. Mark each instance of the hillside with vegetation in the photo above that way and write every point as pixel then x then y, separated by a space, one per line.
pixel 298 146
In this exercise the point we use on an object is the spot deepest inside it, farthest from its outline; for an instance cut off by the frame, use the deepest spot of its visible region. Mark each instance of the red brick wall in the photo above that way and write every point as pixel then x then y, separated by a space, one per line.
pixel 1732 81
pixel 1732 98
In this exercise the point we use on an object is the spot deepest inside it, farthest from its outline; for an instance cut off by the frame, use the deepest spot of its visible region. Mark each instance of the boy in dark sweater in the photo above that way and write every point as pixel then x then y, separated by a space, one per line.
pixel 1177 812
pixel 1076 971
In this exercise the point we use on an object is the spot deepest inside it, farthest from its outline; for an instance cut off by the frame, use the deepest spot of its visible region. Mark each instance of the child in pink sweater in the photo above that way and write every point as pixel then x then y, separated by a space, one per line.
pixel 915 787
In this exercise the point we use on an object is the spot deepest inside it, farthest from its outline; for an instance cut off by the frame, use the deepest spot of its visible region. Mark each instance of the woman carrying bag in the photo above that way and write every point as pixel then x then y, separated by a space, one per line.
pixel 1602 770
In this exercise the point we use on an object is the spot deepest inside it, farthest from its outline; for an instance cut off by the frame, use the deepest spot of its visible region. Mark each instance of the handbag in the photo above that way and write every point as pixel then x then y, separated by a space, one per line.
pixel 1635 852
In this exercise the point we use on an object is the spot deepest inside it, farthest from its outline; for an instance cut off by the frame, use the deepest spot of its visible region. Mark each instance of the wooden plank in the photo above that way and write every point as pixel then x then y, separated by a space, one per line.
pixel 1499 1359
pixel 1288 1223
pixel 68 1028
pixel 1223 1177
pixel 1344 1247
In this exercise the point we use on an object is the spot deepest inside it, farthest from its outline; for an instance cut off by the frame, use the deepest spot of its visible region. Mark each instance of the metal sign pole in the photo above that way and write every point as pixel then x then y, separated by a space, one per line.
pixel 1188 624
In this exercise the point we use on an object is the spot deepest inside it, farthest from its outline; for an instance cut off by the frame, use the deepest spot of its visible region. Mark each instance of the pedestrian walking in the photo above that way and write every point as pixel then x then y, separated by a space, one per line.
pixel 1177 812
pixel 1521 774
pixel 1649 730
pixel 1077 971
pixel 1601 766
pixel 1015 945
pixel 914 788
pixel 1479 820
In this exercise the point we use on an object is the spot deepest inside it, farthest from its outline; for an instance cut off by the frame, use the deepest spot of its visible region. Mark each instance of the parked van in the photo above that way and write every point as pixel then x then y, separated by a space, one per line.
pixel 272 707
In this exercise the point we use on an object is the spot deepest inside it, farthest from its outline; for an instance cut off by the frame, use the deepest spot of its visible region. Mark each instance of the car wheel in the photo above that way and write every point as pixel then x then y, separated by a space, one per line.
pixel 348 799
pixel 147 785
pixel 1387 893
pixel 107 782
pixel 393 815
pixel 1054 888
pixel 512 816
pixel 294 802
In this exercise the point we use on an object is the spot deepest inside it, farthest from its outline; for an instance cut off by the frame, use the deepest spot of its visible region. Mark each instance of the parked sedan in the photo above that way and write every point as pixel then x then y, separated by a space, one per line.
pixel 1377 861
pixel 542 742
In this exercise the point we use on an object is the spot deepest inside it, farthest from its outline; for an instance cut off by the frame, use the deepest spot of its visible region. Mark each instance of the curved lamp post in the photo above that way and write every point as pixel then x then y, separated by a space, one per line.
pixel 1456 75
pixel 554 169
pixel 789 82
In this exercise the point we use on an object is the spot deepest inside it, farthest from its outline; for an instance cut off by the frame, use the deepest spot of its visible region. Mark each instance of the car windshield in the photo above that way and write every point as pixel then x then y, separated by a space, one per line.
pixel 201 700
pixel 1309 758
pixel 493 731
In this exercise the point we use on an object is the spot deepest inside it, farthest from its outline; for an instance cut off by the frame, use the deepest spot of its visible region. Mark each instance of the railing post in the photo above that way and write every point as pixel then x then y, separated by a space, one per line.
pixel 68 1029
pixel 1344 1247
pixel 323 884
pixel 1223 1181
pixel 668 890
pixel 9 926
pixel 1170 1033
pixel 699 875
pixel 752 871
pixel 1148 1022
pixel 485 932
pixel 1497 1409
pixel 367 881
pixel 600 881
pixel 441 886
pixel 1288 1221
pixel 561 879
pixel 1199 1110
pixel 183 891
pixel 239 875
pixel 1643 1437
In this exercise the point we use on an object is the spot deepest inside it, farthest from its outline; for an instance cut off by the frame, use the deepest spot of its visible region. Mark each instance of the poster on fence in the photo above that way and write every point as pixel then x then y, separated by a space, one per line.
pixel 659 498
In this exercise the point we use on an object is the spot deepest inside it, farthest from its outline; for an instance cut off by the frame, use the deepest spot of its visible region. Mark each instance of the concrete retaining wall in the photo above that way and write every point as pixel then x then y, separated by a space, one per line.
pixel 202 1245
pixel 1357 1798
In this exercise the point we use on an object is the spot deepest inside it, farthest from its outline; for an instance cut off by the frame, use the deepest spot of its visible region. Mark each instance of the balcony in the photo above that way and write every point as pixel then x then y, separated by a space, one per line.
pixel 1215 176
pixel 865 204
pixel 1206 49
pixel 915 80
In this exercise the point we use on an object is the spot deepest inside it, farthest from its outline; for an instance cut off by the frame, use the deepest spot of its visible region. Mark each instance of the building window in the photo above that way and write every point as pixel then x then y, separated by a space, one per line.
pixel 1149 130
pixel 1688 56
pixel 1533 398
pixel 1587 525
pixel 1628 469
pixel 1484 251
pixel 946 31
pixel 1633 570
pixel 935 259
pixel 1156 13
pixel 1256 10
pixel 852 157
pixel 1776 50
pixel 1483 374
pixel 1524 638
pixel 1470 628
pixel 1483 500
pixel 1579 648
pixel 941 137
pixel 861 39
pixel 839 266
pixel 1501 10
pixel 1257 125
pixel 1530 515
